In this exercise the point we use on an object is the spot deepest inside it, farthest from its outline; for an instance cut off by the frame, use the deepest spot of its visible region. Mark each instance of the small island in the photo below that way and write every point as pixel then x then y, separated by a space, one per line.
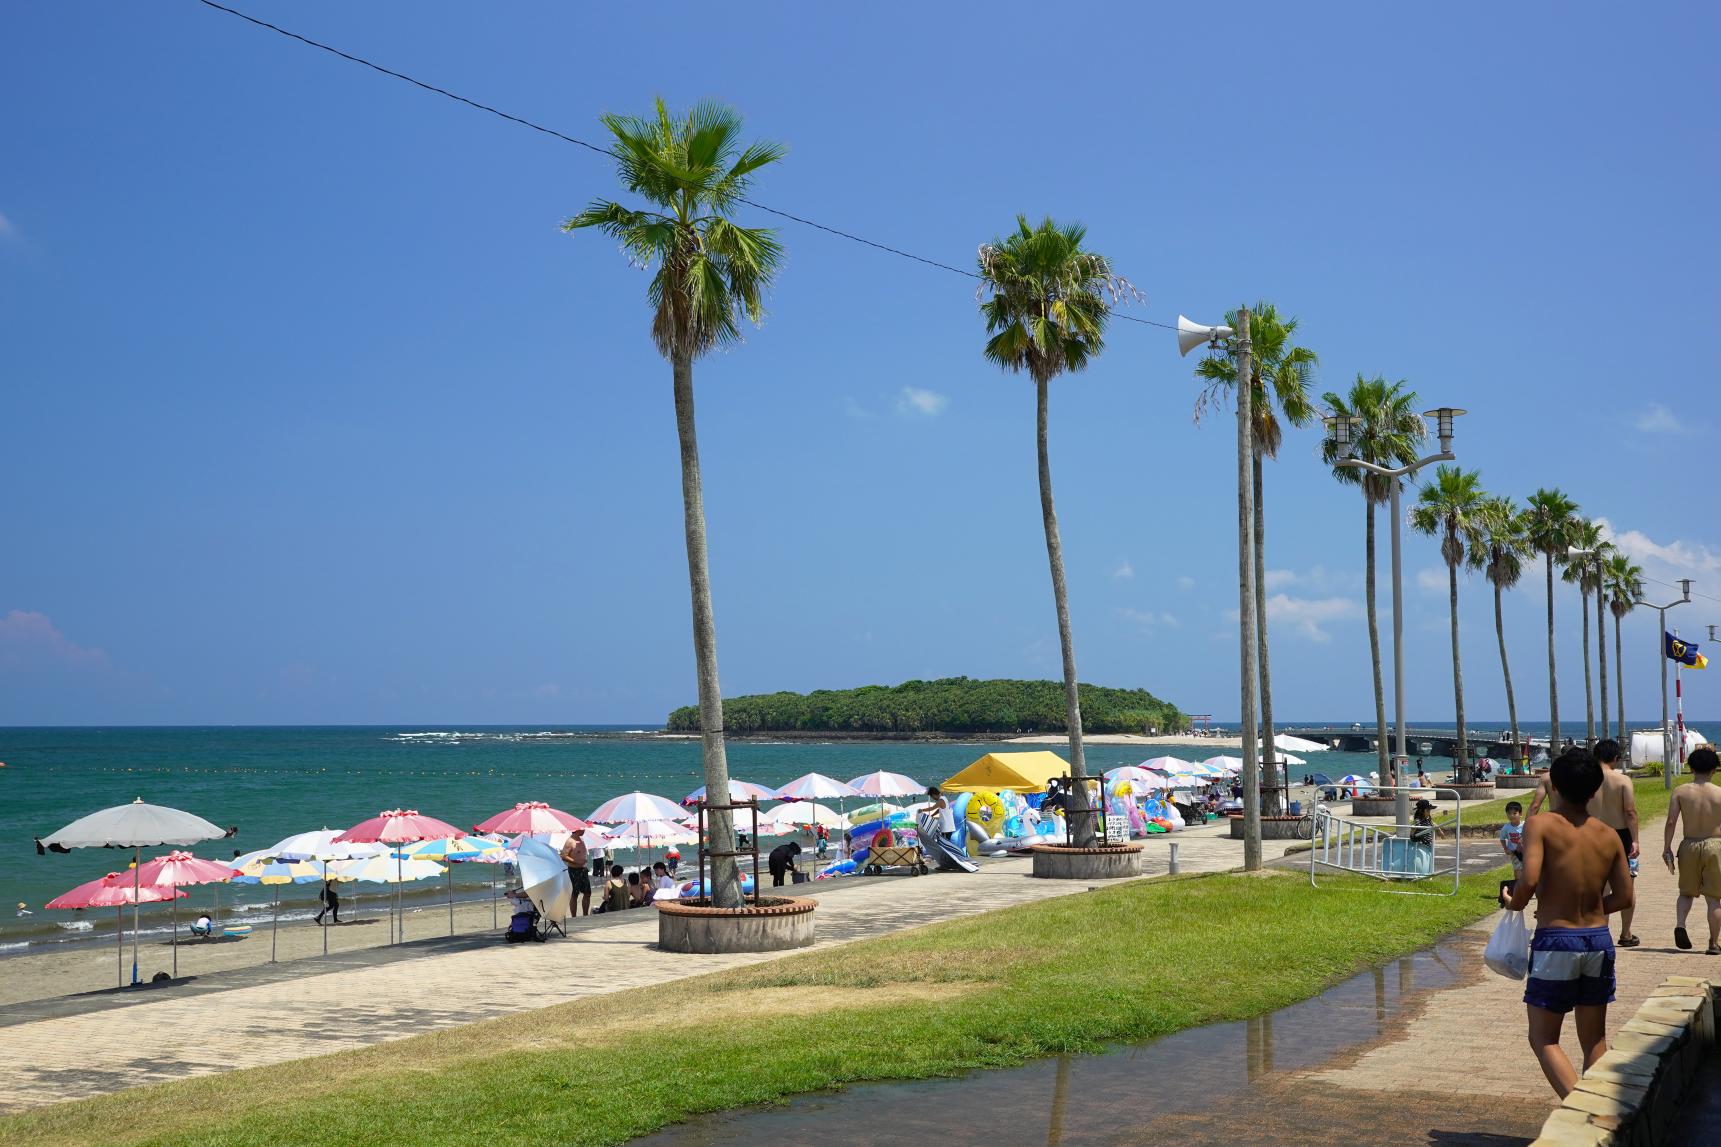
pixel 949 707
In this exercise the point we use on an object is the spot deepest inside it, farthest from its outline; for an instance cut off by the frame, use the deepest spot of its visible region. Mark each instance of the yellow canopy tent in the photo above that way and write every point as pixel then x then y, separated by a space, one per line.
pixel 1019 772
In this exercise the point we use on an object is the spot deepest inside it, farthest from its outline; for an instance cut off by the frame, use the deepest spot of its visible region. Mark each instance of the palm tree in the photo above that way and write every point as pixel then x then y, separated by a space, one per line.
pixel 1387 433
pixel 709 274
pixel 1281 372
pixel 1452 507
pixel 1624 580
pixel 1548 519
pixel 1501 558
pixel 1046 308
pixel 1580 571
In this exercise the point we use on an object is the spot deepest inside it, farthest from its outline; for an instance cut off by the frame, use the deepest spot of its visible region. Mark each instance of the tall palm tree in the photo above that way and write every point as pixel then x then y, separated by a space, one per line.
pixel 1597 578
pixel 1548 519
pixel 1047 299
pixel 1580 571
pixel 709 273
pixel 1452 508
pixel 1624 580
pixel 1281 373
pixel 1387 433
pixel 1501 558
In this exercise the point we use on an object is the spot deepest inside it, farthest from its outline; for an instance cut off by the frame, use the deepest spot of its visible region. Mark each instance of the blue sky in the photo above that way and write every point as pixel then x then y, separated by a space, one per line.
pixel 313 415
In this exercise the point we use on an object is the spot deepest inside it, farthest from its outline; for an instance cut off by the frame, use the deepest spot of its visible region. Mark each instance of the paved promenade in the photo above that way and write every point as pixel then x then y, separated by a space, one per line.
pixel 96 1044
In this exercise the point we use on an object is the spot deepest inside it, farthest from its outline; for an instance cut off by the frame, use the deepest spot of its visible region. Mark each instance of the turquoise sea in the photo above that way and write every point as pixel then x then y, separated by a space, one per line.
pixel 272 782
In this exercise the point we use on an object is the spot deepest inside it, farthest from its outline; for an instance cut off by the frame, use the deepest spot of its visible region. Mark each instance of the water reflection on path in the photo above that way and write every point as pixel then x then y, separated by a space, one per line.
pixel 1133 1094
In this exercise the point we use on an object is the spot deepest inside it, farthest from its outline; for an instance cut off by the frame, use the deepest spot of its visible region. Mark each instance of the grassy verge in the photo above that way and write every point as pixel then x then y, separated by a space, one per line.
pixel 1068 975
pixel 1652 801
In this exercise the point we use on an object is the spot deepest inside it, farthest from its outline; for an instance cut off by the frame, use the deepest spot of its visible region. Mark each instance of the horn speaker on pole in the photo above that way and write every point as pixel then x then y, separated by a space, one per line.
pixel 1191 335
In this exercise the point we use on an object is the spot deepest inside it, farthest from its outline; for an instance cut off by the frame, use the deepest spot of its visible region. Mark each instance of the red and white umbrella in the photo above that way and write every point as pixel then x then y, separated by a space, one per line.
pixel 115 890
pixel 530 817
pixel 883 784
pixel 816 787
pixel 738 791
pixel 175 870
pixel 636 806
pixel 399 826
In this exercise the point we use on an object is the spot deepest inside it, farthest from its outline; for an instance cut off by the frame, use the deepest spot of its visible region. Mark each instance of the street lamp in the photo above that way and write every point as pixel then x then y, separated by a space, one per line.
pixel 1667 757
pixel 1600 555
pixel 1219 339
pixel 1342 430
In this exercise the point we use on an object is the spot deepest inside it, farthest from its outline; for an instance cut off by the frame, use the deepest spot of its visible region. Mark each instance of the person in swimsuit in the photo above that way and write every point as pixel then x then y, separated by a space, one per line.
pixel 1699 856
pixel 576 854
pixel 1575 869
pixel 1616 805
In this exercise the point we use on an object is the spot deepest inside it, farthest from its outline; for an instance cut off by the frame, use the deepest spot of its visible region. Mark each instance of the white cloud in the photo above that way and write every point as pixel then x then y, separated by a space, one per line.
pixel 31 640
pixel 1677 555
pixel 914 400
pixel 1148 619
pixel 1123 572
pixel 1279 579
pixel 6 228
pixel 1658 420
pixel 1431 579
pixel 1306 615
pixel 1185 582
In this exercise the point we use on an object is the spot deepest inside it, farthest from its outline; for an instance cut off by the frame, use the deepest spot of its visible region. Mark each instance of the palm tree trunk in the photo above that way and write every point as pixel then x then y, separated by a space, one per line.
pixel 1553 678
pixel 725 872
pixel 1275 803
pixel 1083 825
pixel 1601 654
pixel 1589 687
pixel 1374 638
pixel 1506 669
pixel 1619 675
pixel 1457 672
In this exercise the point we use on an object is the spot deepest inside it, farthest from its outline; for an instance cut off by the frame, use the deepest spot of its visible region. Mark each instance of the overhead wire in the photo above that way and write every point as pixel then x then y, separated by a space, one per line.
pixel 521 121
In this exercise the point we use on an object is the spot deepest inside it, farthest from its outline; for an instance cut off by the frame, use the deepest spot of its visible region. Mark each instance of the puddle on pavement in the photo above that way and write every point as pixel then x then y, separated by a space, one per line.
pixel 1079 1100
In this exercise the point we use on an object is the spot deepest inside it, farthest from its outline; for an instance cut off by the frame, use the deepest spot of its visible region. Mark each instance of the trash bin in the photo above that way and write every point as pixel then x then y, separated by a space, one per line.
pixel 1296 808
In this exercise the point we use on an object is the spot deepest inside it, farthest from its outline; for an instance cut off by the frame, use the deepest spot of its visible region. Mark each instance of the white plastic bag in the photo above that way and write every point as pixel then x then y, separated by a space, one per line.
pixel 1508 950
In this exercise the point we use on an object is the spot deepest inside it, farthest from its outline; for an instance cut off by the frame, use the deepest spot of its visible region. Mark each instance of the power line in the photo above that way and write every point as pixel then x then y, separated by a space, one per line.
pixel 589 146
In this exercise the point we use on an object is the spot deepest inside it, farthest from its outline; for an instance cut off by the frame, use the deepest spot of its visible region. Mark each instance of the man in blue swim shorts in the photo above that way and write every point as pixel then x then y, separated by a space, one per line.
pixel 1575 868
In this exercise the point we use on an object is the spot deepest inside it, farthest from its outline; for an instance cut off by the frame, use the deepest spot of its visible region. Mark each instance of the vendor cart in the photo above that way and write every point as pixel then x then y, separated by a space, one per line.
pixel 897 857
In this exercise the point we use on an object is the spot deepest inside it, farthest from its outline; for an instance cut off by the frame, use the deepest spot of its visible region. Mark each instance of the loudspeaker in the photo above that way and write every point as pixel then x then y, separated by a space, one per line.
pixel 1191 335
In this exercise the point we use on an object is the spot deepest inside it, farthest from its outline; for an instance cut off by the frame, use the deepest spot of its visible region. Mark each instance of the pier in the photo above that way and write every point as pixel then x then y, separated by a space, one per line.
pixel 1495 743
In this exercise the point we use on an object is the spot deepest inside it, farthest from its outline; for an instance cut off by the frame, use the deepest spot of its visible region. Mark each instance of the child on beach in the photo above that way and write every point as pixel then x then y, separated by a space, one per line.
pixel 1575 870
pixel 1512 844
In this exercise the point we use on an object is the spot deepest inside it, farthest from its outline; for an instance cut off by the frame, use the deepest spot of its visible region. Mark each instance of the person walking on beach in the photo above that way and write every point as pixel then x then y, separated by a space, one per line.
pixel 331 904
pixel 1616 805
pixel 577 856
pixel 1575 869
pixel 1699 856
pixel 782 861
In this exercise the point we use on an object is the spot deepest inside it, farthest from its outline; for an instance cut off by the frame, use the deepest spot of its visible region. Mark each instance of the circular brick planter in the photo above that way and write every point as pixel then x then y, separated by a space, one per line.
pixel 1272 827
pixel 1469 793
pixel 1515 780
pixel 1060 862
pixel 1379 806
pixel 772 926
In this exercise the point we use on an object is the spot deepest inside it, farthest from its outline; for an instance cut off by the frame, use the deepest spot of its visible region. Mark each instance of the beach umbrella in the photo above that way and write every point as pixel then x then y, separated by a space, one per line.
pixel 883 784
pixel 738 791
pixel 451 849
pixel 1291 759
pixel 650 834
pixel 277 872
pixel 636 806
pixel 387 868
pixel 544 878
pixel 1352 781
pixel 115 890
pixel 1138 778
pixel 323 845
pixel 816 787
pixel 136 826
pixel 1297 744
pixel 530 816
pixel 790 817
pixel 1230 765
pixel 398 826
pixel 506 854
pixel 176 870
pixel 1175 767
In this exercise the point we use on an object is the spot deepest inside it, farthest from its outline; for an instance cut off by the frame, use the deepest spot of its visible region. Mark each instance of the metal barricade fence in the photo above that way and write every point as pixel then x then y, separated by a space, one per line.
pixel 1389 853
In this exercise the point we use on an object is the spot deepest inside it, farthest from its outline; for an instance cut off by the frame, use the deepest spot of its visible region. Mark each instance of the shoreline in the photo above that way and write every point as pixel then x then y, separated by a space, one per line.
pixel 996 738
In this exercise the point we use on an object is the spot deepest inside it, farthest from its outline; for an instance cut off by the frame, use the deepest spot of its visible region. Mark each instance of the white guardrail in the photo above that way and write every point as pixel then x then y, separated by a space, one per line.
pixel 1394 854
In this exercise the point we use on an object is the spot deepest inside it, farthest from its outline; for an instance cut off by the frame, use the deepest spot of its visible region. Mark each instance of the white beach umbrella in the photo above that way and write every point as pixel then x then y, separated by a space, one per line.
pixel 1228 765
pixel 1174 767
pixel 790 817
pixel 738 791
pixel 816 787
pixel 136 826
pixel 1297 744
pixel 883 784
pixel 1140 779
pixel 1291 759
pixel 544 878
pixel 321 845
pixel 636 806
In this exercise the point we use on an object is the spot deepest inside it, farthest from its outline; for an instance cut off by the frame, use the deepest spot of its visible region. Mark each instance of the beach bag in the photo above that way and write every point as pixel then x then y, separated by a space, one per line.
pixel 520 928
pixel 1508 950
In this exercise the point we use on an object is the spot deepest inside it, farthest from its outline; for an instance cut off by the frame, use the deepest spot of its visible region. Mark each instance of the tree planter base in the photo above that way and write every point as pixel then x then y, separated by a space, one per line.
pixel 1061 862
pixel 1515 781
pixel 776 924
pixel 1469 793
pixel 1272 827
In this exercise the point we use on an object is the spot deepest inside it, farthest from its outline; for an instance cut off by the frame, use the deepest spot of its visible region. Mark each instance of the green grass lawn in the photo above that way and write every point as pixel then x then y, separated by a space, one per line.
pixel 1652 801
pixel 1073 974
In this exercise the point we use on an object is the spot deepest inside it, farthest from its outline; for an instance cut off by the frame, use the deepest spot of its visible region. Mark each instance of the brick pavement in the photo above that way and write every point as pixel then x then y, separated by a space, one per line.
pixel 106 1048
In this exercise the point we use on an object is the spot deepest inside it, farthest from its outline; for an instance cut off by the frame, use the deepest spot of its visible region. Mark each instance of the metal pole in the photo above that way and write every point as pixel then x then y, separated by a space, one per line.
pixel 1246 594
pixel 137 859
pixel 1666 735
pixel 1401 793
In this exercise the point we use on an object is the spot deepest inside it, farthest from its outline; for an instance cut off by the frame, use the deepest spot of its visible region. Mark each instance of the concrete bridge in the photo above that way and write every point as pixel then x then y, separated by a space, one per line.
pixel 1486 741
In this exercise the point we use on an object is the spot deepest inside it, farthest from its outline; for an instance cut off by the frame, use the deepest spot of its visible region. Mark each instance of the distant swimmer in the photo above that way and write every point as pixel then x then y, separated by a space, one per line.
pixel 23 911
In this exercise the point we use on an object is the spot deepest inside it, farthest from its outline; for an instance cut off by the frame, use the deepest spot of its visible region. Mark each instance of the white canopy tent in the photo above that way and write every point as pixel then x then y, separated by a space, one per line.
pixel 1647 746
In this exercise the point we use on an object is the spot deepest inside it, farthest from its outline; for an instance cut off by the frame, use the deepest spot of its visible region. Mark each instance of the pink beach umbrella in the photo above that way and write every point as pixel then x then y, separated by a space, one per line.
pixel 636 806
pixel 816 787
pixel 883 784
pixel 175 870
pixel 738 791
pixel 115 890
pixel 530 817
pixel 398 826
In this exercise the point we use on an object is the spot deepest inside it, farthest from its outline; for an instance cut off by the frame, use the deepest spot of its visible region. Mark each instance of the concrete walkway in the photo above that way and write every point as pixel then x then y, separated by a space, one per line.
pixel 83 1046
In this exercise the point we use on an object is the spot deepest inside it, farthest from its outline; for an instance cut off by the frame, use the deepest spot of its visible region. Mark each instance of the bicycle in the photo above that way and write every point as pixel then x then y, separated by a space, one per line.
pixel 1306 826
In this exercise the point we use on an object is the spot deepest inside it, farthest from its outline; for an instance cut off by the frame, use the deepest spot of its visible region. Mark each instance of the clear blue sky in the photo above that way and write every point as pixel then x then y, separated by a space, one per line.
pixel 311 414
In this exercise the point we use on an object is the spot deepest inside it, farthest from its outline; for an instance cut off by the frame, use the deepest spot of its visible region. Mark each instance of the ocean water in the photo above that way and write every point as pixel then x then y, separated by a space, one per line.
pixel 273 782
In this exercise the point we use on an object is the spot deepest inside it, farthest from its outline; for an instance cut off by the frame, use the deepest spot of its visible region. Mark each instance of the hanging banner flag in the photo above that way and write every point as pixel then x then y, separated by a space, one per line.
pixel 1684 652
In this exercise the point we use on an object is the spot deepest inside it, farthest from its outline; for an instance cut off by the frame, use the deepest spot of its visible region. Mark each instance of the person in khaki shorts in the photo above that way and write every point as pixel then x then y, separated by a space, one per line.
pixel 1699 857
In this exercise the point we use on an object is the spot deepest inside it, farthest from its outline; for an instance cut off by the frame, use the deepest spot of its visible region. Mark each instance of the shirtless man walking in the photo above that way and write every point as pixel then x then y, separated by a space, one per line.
pixel 1616 806
pixel 1699 857
pixel 1570 858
